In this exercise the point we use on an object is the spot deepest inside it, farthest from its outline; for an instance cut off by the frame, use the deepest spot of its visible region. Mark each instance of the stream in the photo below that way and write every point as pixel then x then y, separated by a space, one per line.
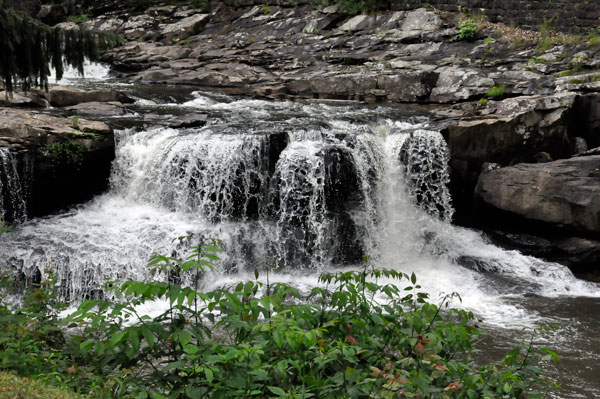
pixel 299 188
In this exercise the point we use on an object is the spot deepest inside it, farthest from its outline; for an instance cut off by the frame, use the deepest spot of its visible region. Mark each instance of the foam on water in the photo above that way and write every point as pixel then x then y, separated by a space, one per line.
pixel 13 187
pixel 94 71
pixel 326 189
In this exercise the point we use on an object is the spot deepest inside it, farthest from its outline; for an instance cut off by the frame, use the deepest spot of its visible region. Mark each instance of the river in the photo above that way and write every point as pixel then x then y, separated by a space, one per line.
pixel 301 187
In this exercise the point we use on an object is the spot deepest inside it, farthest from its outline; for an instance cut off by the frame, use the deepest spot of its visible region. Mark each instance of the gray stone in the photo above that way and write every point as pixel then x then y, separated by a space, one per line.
pixel 59 96
pixel 186 27
pixel 563 193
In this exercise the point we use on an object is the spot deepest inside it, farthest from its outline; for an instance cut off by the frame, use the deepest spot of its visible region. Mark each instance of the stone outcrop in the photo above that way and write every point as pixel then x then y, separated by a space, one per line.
pixel 70 162
pixel 564 193
pixel 59 96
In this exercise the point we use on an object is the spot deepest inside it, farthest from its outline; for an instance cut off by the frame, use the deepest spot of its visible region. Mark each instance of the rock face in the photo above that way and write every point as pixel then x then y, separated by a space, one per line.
pixel 564 193
pixel 277 49
pixel 59 96
pixel 66 164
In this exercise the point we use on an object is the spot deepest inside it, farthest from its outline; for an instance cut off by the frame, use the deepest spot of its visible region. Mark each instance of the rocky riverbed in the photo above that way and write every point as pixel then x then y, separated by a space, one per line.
pixel 525 153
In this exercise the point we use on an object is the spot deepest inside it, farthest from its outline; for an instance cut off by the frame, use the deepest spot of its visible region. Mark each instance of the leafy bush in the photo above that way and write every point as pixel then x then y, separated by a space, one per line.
pixel 358 335
pixel 467 29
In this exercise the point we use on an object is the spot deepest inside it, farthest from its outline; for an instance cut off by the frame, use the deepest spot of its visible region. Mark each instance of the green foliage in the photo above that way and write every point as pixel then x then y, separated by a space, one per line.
pixel 496 91
pixel 265 9
pixel 357 335
pixel 29 48
pixel 65 152
pixel 483 102
pixel 467 30
pixel 75 121
pixel 360 334
pixel 78 18
pixel 199 4
pixel 12 387
pixel 31 339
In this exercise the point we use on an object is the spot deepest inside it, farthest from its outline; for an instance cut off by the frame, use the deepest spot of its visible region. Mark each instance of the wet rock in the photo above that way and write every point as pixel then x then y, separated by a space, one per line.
pixel 564 193
pixel 71 157
pixel 59 96
pixel 21 100
pixel 51 14
pixel 509 132
pixel 186 27
pixel 189 120
pixel 95 108
pixel 458 84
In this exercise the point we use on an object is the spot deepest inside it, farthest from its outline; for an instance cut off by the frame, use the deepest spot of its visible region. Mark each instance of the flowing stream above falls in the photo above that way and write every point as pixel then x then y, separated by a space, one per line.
pixel 298 188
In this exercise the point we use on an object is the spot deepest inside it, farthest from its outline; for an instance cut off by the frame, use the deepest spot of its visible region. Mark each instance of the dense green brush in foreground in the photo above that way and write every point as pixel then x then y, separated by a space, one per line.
pixel 360 334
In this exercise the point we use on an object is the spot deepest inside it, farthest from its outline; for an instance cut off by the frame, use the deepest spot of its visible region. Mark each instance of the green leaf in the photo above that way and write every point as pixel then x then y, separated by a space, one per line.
pixel 195 392
pixel 276 390
pixel 148 336
pixel 184 338
pixel 507 387
pixel 116 338
pixel 134 340
pixel 86 346
pixel 208 374
pixel 100 348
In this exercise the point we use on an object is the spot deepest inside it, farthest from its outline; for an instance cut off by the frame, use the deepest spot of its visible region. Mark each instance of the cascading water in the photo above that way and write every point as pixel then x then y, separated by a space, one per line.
pixel 13 187
pixel 296 187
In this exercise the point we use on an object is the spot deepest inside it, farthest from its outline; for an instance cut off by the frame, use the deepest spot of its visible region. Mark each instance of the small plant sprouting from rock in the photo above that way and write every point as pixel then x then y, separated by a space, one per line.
pixel 78 18
pixel 467 30
pixel 75 121
pixel 483 102
pixel 265 9
pixel 64 153
pixel 496 92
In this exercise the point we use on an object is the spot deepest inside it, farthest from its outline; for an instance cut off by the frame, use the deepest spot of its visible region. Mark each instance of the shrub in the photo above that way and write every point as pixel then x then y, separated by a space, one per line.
pixel 467 29
pixel 357 335
pixel 12 387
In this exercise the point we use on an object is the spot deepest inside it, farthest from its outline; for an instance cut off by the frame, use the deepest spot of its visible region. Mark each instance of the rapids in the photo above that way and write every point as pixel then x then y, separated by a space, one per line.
pixel 296 187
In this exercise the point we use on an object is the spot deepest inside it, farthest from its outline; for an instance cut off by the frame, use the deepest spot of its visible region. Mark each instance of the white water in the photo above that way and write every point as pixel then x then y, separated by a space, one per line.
pixel 280 211
pixel 93 72
pixel 13 206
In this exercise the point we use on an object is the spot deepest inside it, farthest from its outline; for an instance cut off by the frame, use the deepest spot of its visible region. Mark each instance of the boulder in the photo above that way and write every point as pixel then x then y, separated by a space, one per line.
pixel 95 108
pixel 564 193
pixel 186 27
pixel 67 96
pixel 188 121
pixel 21 100
pixel 71 157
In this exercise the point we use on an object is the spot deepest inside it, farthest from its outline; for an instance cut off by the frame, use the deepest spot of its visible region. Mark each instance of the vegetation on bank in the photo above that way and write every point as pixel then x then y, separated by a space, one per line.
pixel 13 387
pixel 360 334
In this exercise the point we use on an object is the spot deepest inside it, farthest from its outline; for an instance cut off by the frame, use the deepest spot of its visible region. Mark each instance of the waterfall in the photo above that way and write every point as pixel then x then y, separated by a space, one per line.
pixel 292 187
pixel 13 187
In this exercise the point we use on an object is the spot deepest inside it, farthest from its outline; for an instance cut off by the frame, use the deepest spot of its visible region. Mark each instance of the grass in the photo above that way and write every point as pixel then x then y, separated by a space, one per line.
pixel 496 91
pixel 13 387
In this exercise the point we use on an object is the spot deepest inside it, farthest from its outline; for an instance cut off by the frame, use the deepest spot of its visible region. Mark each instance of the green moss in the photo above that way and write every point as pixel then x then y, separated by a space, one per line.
pixel 12 387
